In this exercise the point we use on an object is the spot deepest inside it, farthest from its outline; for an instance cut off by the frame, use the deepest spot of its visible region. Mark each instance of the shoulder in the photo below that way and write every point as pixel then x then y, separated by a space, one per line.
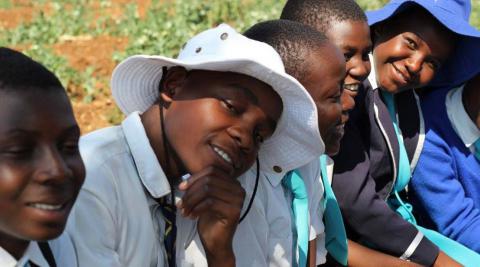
pixel 63 251
pixel 102 144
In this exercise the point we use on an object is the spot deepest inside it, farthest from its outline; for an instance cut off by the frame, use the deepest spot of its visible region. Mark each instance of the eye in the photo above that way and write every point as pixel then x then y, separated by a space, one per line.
pixel 433 64
pixel 69 147
pixel 411 43
pixel 22 151
pixel 259 138
pixel 348 55
pixel 230 106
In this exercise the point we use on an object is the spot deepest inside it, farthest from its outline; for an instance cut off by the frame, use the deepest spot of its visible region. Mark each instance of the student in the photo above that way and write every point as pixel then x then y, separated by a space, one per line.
pixel 445 184
pixel 320 67
pixel 411 43
pixel 204 117
pixel 265 237
pixel 345 24
pixel 322 71
pixel 41 170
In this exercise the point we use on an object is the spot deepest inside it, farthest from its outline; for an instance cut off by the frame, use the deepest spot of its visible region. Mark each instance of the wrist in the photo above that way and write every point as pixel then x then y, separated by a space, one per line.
pixel 221 257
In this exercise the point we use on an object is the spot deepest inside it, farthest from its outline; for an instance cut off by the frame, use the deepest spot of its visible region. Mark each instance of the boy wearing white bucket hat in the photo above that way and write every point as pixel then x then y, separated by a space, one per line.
pixel 206 114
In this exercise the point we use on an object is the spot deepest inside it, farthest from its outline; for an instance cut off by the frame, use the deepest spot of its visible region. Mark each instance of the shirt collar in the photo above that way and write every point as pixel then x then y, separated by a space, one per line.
pixel 148 167
pixel 32 253
pixel 372 77
pixel 458 116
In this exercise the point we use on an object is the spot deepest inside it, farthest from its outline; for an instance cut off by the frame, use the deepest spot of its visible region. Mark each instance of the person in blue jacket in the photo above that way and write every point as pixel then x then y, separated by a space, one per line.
pixel 445 187
pixel 413 42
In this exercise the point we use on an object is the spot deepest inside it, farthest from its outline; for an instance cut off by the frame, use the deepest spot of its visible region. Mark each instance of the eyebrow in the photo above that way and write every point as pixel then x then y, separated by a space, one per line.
pixel 72 129
pixel 246 91
pixel 272 122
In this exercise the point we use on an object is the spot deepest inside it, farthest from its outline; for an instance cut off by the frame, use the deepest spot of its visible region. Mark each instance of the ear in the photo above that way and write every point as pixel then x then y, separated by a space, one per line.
pixel 171 83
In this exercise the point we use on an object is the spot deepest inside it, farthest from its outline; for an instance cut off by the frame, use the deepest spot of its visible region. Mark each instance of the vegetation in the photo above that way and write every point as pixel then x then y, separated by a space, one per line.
pixel 161 27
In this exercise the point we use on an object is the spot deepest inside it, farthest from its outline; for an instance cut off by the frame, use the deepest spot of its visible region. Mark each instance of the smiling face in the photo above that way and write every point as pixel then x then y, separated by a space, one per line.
pixel 353 39
pixel 408 50
pixel 218 118
pixel 324 82
pixel 41 171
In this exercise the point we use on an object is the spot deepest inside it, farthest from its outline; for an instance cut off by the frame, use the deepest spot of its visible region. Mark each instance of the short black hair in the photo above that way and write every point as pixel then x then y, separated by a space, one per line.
pixel 292 40
pixel 320 14
pixel 18 72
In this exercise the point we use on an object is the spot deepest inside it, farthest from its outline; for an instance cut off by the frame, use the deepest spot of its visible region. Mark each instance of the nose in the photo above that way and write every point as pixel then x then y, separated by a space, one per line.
pixel 243 134
pixel 359 69
pixel 414 64
pixel 53 168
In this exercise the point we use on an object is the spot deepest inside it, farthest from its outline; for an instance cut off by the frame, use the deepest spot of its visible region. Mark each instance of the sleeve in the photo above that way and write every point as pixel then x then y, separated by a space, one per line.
pixel 439 193
pixel 91 225
pixel 366 213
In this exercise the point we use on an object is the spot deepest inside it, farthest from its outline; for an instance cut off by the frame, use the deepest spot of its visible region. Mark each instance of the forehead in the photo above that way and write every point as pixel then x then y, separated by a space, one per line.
pixel 350 33
pixel 35 110
pixel 326 62
pixel 236 85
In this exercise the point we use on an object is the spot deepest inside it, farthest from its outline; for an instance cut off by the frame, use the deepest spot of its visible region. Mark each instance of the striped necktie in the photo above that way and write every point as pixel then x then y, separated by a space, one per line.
pixel 335 234
pixel 169 238
pixel 477 149
pixel 294 183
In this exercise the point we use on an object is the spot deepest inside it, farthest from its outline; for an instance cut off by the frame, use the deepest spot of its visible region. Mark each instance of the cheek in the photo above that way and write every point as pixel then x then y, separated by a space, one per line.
pixel 13 180
pixel 426 76
pixel 78 168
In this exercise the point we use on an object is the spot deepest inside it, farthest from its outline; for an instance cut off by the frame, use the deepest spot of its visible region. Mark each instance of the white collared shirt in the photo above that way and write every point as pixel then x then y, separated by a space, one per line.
pixel 115 220
pixel 461 122
pixel 265 237
pixel 62 251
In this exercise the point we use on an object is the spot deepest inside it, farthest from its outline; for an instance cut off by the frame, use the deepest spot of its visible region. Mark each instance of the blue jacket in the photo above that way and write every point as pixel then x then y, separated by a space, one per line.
pixel 445 187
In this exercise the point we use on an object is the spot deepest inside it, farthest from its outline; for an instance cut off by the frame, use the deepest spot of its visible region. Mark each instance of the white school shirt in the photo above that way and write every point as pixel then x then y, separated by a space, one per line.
pixel 62 251
pixel 465 128
pixel 265 236
pixel 115 220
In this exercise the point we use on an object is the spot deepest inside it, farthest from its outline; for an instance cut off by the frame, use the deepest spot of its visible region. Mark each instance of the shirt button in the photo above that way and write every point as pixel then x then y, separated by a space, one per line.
pixel 277 169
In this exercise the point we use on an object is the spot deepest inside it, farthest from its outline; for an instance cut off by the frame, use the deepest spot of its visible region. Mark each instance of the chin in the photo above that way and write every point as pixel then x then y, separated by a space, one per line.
pixel 332 150
pixel 41 233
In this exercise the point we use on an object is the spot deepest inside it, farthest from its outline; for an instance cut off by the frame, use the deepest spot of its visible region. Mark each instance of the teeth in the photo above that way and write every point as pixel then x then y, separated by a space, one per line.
pixel 351 87
pixel 46 206
pixel 222 154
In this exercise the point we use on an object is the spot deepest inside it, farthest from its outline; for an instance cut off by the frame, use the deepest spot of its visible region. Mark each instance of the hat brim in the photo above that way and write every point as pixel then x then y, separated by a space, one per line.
pixel 135 87
pixel 463 63
pixel 448 19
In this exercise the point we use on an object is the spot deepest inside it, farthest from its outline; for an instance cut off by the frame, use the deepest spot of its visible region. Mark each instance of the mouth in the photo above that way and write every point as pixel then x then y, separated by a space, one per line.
pixel 47 207
pixel 351 87
pixel 402 77
pixel 226 157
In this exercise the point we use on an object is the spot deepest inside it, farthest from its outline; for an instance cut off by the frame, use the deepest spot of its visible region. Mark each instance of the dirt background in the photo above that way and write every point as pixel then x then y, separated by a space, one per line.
pixel 82 52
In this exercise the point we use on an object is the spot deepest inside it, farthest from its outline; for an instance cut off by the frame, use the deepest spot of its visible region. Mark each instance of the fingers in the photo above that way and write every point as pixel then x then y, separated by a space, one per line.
pixel 210 171
pixel 212 191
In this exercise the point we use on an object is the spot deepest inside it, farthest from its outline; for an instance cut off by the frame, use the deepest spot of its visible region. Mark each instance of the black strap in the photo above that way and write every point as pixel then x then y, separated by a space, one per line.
pixel 47 253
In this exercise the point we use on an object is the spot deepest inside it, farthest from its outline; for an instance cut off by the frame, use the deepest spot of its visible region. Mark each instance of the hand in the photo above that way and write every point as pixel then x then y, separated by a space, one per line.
pixel 444 260
pixel 216 199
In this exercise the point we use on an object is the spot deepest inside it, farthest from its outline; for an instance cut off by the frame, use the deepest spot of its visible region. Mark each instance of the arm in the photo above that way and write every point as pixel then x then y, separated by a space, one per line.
pixel 361 256
pixel 367 213
pixel 435 185
pixel 216 199
pixel 311 257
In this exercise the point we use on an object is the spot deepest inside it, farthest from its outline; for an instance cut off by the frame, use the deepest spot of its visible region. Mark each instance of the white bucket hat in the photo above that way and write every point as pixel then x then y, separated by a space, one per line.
pixel 296 140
